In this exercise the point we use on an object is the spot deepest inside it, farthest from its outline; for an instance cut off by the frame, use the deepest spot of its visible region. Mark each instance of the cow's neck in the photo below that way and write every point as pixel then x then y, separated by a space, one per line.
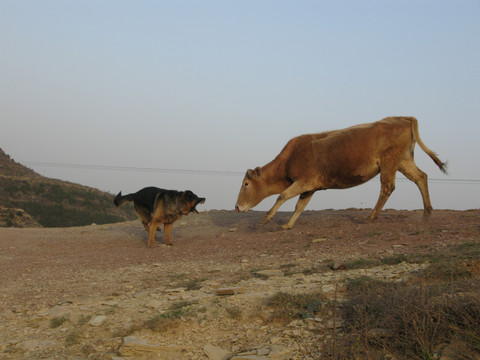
pixel 274 176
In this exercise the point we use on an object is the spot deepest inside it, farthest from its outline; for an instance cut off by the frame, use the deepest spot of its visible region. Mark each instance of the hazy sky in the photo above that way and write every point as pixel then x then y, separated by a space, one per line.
pixel 130 90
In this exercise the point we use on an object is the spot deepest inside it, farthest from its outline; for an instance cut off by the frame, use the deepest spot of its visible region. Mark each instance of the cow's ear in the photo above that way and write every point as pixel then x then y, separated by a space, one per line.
pixel 251 174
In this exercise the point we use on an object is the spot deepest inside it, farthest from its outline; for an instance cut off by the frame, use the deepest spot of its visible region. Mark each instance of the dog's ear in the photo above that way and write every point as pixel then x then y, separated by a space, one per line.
pixel 188 196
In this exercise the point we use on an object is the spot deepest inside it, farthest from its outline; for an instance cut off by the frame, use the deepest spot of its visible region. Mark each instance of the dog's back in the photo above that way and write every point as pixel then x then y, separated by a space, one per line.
pixel 144 197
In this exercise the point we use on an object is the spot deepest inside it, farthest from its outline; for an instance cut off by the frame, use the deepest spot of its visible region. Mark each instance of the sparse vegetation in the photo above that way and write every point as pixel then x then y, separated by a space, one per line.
pixel 234 312
pixel 72 338
pixel 414 319
pixel 406 320
pixel 52 203
pixel 57 321
pixel 300 306
pixel 192 284
pixel 164 321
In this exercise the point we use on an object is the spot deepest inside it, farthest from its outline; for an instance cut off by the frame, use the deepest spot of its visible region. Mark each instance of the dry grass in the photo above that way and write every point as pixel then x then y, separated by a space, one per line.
pixel 438 308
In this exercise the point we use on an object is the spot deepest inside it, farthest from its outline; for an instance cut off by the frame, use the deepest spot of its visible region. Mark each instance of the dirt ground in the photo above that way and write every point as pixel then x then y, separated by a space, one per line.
pixel 41 268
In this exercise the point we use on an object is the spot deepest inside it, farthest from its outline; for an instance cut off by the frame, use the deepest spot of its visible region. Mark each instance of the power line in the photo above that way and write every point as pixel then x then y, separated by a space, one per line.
pixel 204 172
pixel 136 169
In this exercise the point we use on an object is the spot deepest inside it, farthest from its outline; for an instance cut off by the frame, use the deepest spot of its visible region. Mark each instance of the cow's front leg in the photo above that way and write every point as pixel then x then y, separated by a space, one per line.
pixel 303 200
pixel 290 192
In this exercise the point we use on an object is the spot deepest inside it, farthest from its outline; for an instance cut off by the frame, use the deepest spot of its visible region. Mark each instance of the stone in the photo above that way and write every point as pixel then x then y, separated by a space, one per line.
pixel 31 345
pixel 278 352
pixel 270 273
pixel 338 266
pixel 245 353
pixel 450 352
pixel 230 291
pixel 250 357
pixel 97 320
pixel 216 352
pixel 132 345
pixel 263 351
pixel 56 311
pixel 154 304
pixel 175 290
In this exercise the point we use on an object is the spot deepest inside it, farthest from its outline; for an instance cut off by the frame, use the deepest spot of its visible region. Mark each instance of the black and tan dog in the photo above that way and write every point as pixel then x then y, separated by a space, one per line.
pixel 155 206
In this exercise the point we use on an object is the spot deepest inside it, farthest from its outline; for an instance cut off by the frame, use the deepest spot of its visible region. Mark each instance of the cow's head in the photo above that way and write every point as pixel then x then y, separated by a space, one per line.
pixel 253 190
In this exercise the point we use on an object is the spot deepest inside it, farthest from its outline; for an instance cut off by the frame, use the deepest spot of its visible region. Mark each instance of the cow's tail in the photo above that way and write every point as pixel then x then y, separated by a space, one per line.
pixel 442 166
pixel 122 200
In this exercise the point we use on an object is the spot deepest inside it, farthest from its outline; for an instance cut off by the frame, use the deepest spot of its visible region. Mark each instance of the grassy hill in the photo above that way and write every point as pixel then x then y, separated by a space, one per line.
pixel 28 199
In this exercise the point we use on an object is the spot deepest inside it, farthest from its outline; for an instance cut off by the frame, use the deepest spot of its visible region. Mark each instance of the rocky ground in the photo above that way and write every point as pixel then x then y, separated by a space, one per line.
pixel 97 292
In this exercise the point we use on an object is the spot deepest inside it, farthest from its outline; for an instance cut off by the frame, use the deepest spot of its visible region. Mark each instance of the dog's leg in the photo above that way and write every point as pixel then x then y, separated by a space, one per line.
pixel 151 233
pixel 147 227
pixel 167 228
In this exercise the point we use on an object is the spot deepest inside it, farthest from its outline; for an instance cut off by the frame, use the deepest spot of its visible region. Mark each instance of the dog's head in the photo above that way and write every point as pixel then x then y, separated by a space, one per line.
pixel 190 202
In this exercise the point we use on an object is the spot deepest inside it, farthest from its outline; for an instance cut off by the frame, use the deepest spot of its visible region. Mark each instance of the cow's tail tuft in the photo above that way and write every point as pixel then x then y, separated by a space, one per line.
pixel 441 165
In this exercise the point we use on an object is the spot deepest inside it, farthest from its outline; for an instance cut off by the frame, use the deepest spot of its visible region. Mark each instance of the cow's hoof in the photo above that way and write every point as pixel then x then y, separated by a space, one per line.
pixel 286 227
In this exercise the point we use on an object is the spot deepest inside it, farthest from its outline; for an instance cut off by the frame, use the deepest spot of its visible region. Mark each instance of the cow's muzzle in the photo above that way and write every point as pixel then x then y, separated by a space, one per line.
pixel 240 208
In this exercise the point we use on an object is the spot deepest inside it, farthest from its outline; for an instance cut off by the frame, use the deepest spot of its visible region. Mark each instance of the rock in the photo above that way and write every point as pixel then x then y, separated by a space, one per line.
pixel 132 345
pixel 270 273
pixel 337 266
pixel 450 352
pixel 176 290
pixel 216 352
pixel 335 323
pixel 56 311
pixel 31 345
pixel 154 304
pixel 267 314
pixel 247 353
pixel 97 320
pixel 140 295
pixel 230 291
pixel 278 352
pixel 263 351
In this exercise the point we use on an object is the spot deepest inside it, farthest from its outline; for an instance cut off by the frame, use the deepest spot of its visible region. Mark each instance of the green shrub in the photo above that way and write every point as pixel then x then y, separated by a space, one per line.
pixel 287 306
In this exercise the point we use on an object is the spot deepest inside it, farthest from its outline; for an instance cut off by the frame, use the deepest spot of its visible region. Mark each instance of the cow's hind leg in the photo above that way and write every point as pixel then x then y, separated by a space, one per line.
pixel 387 185
pixel 290 192
pixel 303 200
pixel 413 173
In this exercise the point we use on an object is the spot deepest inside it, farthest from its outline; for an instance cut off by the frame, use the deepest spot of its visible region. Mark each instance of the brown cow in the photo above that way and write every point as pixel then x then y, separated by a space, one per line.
pixel 339 159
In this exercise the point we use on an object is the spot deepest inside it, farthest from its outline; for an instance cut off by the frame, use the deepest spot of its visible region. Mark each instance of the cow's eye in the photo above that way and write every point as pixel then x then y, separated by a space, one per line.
pixel 247 184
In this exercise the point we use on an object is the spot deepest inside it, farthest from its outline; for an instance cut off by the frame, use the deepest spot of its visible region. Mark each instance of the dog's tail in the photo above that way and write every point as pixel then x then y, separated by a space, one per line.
pixel 122 200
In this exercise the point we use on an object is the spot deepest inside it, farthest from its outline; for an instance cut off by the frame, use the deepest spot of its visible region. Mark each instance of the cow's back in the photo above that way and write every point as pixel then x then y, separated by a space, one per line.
pixel 347 157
